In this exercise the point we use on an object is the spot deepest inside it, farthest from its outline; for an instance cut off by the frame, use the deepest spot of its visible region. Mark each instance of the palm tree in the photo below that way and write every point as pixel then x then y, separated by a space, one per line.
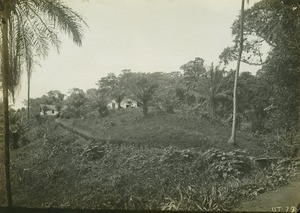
pixel 208 89
pixel 212 90
pixel 28 28
pixel 143 91
pixel 232 139
pixel 29 71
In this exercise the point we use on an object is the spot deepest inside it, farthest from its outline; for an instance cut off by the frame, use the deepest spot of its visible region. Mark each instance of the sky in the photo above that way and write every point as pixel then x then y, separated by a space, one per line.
pixel 141 35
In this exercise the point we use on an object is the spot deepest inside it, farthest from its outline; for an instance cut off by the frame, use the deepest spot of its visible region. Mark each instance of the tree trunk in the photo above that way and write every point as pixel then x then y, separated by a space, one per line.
pixel 119 101
pixel 119 105
pixel 4 70
pixel 145 109
pixel 212 109
pixel 297 136
pixel 28 97
pixel 232 139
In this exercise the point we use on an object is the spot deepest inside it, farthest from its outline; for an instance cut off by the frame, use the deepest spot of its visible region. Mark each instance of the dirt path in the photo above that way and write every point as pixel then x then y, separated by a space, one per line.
pixel 74 130
pixel 284 199
pixel 89 136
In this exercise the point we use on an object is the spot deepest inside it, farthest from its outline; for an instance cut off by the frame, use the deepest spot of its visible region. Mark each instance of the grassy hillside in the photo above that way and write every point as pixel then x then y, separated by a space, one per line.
pixel 60 169
pixel 161 130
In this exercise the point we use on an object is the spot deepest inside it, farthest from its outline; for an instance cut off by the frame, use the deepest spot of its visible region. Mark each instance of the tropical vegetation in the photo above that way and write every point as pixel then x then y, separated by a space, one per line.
pixel 28 28
pixel 168 147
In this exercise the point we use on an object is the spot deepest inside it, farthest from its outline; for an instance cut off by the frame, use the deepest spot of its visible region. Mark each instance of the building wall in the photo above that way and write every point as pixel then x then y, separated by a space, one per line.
pixel 126 103
pixel 112 105
pixel 50 112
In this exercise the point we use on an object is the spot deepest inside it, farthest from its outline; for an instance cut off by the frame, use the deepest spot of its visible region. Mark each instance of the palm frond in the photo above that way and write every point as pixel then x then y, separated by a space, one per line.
pixel 63 16
pixel 33 27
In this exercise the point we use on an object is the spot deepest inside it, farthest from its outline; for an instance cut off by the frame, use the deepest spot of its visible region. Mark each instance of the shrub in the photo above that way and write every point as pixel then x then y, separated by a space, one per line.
pixel 278 174
pixel 171 155
pixel 106 176
pixel 92 114
pixel 67 114
pixel 103 110
pixel 228 164
pixel 279 146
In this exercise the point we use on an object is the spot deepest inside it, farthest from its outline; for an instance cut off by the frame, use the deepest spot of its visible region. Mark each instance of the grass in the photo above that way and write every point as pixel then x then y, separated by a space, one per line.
pixel 161 130
pixel 64 170
pixel 60 169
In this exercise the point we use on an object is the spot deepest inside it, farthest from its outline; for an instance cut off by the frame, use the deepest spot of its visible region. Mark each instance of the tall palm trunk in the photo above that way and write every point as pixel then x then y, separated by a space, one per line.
pixel 28 96
pixel 232 139
pixel 19 17
pixel 5 70
pixel 145 109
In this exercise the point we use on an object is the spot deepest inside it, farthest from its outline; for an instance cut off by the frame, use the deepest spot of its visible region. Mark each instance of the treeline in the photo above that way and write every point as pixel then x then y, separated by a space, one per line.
pixel 268 101
pixel 197 88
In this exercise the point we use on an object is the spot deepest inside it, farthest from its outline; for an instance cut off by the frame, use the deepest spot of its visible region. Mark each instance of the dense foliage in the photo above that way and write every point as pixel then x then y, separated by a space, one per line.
pixel 272 25
pixel 141 178
pixel 187 108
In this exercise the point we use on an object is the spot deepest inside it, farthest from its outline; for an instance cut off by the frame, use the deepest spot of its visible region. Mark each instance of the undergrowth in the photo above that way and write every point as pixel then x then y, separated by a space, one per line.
pixel 60 169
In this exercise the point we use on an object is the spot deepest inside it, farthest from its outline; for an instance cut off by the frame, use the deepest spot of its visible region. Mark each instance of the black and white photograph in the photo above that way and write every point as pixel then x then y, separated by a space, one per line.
pixel 162 105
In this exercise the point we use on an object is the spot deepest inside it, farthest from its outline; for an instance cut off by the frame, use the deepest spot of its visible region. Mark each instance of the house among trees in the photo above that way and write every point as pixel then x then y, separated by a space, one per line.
pixel 48 110
pixel 125 103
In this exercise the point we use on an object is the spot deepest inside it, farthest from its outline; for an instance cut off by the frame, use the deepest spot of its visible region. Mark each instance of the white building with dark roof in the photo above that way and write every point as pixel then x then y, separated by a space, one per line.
pixel 126 103
pixel 48 110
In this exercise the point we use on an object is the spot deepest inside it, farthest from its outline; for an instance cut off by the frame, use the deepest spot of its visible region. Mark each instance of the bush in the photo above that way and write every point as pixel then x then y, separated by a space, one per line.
pixel 125 177
pixel 67 114
pixel 103 110
pixel 235 163
pixel 92 114
pixel 173 155
pixel 279 146
pixel 278 174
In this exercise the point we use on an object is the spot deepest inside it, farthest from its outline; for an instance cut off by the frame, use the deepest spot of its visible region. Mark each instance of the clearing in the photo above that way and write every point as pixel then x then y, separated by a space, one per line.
pixel 160 130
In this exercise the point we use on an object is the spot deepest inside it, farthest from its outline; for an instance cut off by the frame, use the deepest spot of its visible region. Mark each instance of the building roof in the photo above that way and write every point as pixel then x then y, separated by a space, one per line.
pixel 48 107
pixel 124 100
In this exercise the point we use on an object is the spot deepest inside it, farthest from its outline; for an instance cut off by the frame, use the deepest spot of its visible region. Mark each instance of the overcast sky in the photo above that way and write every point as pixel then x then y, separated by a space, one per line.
pixel 141 35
